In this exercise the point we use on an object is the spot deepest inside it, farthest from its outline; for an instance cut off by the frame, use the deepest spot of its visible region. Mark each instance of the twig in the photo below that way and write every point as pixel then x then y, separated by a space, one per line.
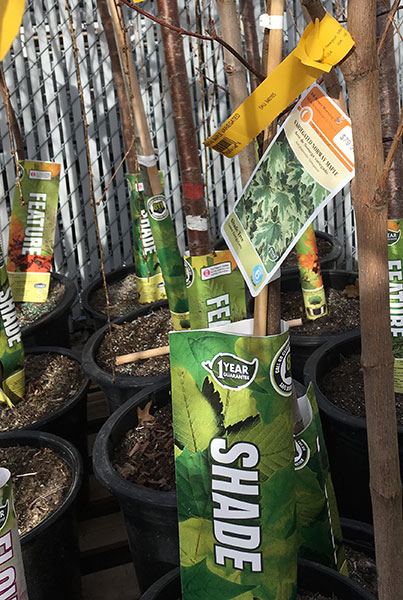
pixel 90 173
pixel 13 131
pixel 212 38
pixel 391 14
pixel 391 154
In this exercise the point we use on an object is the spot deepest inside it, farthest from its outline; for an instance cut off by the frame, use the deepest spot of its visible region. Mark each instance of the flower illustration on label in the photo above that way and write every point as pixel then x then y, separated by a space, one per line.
pixel 230 371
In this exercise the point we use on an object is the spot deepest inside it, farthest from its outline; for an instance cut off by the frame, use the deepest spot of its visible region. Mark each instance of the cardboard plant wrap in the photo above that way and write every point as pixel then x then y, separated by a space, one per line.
pixel 32 231
pixel 216 289
pixel 234 449
pixel 170 260
pixel 150 285
pixel 313 291
pixel 12 376
pixel 12 577
pixel 319 533
pixel 395 260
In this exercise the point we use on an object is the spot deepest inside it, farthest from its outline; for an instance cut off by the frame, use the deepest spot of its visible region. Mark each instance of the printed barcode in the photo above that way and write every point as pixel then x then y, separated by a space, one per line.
pixel 224 144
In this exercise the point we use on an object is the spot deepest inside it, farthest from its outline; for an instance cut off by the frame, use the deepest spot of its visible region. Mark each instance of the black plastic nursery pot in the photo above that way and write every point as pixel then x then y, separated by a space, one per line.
pixel 53 327
pixel 312 577
pixel 150 515
pixel 302 346
pixel 97 319
pixel 122 387
pixel 345 434
pixel 50 550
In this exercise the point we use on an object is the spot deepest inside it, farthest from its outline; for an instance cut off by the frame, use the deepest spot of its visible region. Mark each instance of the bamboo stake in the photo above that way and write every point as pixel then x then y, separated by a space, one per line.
pixel 134 96
pixel 236 76
pixel 142 355
pixel 267 303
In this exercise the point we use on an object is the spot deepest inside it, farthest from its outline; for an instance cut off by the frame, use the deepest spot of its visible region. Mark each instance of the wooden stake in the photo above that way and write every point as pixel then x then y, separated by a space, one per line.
pixel 142 355
pixel 268 322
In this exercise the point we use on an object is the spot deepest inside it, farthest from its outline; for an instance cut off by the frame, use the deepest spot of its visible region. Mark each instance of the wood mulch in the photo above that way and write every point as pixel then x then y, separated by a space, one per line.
pixel 344 387
pixel 148 331
pixel 29 312
pixel 51 380
pixel 145 455
pixel 40 479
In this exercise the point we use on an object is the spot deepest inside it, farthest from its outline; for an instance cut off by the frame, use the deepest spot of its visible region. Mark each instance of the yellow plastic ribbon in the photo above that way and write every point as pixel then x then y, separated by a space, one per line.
pixel 322 45
pixel 11 13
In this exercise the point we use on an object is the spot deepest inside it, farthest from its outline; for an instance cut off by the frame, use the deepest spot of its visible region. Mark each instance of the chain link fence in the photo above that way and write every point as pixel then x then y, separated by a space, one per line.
pixel 41 76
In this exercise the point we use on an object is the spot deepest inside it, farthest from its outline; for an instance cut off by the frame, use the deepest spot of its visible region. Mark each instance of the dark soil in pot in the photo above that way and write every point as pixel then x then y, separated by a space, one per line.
pixel 126 338
pixel 123 297
pixel 344 387
pixel 343 423
pixel 50 549
pixel 51 381
pixel 145 332
pixel 41 479
pixel 55 401
pixel 48 322
pixel 343 314
pixel 29 312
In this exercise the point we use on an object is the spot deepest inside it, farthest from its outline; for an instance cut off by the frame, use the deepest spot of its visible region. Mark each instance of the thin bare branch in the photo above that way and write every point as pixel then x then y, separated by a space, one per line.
pixel 213 37
pixel 391 154
pixel 392 12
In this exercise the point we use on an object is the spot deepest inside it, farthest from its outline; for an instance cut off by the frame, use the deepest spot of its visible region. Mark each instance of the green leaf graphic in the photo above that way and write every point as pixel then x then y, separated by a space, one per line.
pixel 199 583
pixel 196 541
pixel 275 439
pixel 196 422
pixel 193 482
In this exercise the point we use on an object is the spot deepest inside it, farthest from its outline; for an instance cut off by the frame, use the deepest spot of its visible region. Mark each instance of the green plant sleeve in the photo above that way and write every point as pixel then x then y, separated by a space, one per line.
pixel 149 282
pixel 313 291
pixel 170 260
pixel 319 532
pixel 12 577
pixel 216 289
pixel 235 477
pixel 11 349
pixel 32 231
pixel 395 259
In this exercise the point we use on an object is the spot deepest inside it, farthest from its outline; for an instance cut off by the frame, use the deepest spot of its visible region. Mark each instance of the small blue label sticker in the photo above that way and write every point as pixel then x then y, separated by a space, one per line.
pixel 257 274
pixel 40 285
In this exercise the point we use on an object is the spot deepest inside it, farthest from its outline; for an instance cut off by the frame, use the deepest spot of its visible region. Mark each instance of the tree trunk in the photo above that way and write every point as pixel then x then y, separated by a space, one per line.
pixel 360 71
pixel 390 113
pixel 251 41
pixel 192 184
pixel 230 32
